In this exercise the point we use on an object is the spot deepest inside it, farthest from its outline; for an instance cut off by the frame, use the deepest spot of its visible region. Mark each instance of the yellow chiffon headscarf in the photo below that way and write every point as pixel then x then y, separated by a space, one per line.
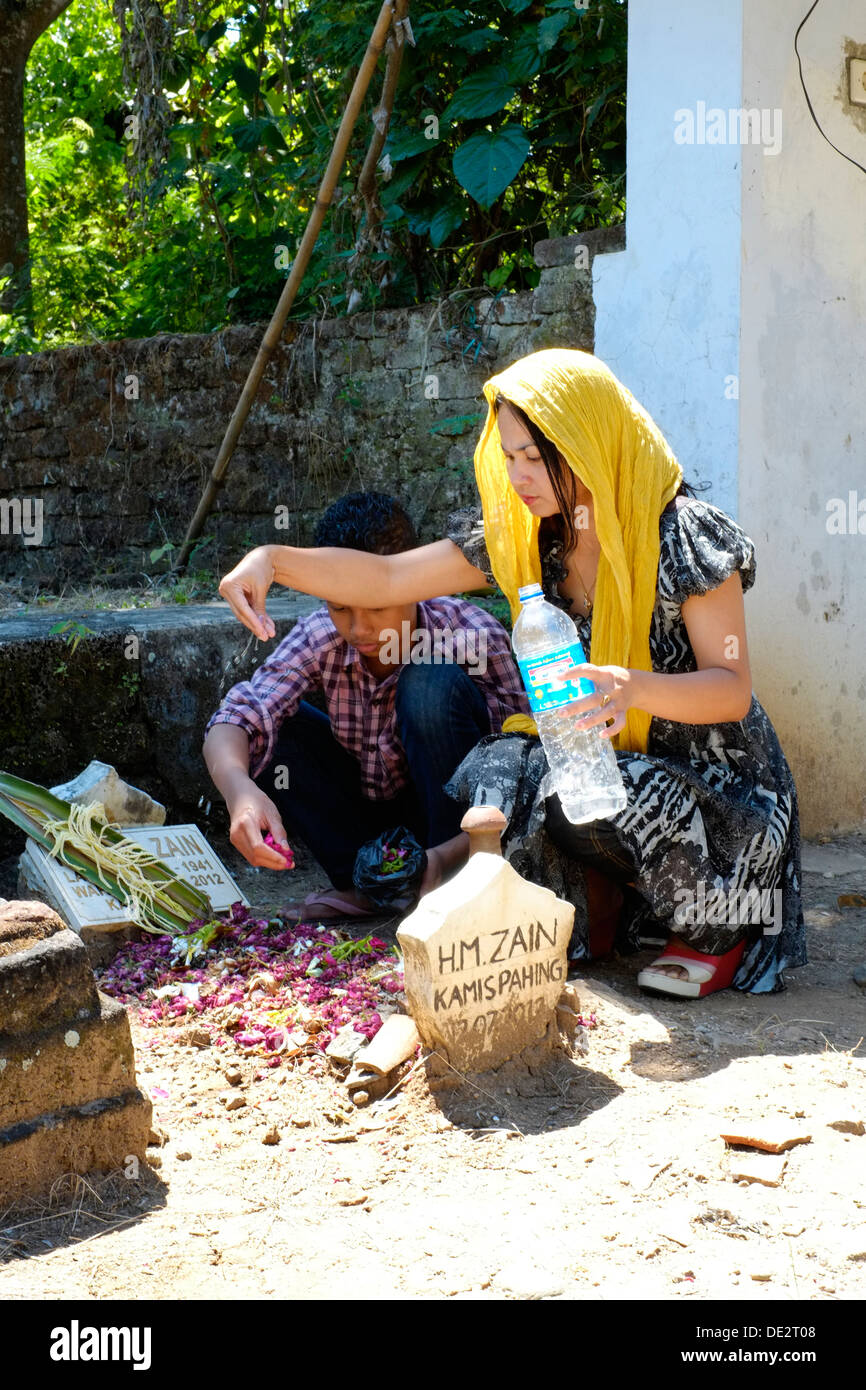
pixel 621 456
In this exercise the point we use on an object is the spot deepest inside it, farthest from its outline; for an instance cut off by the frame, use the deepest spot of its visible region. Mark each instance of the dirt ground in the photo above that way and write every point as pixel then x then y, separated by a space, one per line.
pixel 601 1176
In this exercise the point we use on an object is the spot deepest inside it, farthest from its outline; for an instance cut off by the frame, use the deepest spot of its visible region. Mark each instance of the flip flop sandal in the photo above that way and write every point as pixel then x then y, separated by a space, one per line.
pixel 706 974
pixel 307 910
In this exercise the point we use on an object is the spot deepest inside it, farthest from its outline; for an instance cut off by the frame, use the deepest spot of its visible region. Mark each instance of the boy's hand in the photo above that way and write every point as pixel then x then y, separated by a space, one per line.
pixel 245 589
pixel 253 814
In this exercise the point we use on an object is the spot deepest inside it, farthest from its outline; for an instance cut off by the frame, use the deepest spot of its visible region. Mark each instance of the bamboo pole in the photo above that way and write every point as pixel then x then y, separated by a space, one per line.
pixel 371 235
pixel 290 289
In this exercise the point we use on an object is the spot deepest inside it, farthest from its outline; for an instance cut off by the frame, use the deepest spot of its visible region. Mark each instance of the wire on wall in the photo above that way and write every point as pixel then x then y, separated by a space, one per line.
pixel 808 99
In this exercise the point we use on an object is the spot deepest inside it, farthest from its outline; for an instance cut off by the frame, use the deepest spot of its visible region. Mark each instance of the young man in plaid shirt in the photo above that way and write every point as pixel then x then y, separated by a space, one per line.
pixel 401 715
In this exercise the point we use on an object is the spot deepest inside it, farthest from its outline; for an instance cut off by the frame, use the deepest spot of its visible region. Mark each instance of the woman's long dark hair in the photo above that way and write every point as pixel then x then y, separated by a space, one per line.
pixel 563 527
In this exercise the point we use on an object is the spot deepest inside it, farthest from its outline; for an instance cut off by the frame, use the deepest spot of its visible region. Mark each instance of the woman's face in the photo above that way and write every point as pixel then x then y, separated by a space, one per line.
pixel 526 469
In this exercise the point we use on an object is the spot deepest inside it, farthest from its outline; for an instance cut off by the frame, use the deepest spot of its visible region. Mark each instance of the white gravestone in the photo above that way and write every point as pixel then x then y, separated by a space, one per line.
pixel 182 848
pixel 485 963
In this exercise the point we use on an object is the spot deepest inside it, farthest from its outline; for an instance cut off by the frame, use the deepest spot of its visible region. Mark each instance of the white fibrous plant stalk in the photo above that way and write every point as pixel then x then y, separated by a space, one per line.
pixel 85 830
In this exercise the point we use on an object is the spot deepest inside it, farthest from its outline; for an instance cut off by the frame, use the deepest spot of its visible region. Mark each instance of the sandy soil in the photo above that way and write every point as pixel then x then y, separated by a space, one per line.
pixel 600 1176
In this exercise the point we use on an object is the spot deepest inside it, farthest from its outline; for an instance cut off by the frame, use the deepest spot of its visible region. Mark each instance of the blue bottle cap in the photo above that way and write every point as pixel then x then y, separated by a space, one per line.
pixel 528 591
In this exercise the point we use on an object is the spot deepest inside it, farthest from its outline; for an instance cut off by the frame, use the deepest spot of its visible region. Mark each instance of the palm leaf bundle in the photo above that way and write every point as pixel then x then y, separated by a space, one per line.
pixel 81 838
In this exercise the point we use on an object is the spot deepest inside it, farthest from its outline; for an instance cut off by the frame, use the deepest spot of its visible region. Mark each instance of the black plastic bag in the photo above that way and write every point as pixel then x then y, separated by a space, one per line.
pixel 397 889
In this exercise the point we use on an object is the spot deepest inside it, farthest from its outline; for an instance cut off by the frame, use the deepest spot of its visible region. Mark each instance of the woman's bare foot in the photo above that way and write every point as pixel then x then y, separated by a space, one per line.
pixel 676 972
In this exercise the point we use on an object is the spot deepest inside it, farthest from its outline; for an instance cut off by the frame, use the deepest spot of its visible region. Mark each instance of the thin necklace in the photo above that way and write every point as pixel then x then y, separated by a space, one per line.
pixel 586 598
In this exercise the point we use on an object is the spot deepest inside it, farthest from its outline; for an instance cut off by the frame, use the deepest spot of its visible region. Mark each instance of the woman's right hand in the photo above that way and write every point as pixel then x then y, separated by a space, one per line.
pixel 245 589
pixel 252 815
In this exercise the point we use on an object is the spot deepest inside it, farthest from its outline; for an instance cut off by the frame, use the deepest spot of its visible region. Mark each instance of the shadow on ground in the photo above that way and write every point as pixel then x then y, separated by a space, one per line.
pixel 77 1210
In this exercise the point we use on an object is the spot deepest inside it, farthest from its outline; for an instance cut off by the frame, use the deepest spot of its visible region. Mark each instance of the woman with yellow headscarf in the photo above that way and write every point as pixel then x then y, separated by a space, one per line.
pixel 581 492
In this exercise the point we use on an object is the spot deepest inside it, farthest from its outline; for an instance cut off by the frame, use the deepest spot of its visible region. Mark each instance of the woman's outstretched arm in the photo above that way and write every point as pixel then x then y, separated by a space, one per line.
pixel 351 577
pixel 719 692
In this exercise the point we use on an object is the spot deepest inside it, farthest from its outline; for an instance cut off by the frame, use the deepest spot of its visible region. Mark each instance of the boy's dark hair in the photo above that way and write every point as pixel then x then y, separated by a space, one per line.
pixel 370 521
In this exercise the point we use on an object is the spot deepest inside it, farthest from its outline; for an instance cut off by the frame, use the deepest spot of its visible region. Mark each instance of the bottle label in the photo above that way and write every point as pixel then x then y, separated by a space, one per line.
pixel 542 677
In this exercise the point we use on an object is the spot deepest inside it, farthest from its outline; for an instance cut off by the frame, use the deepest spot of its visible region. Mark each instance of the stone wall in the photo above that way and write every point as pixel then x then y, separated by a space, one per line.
pixel 116 439
pixel 137 692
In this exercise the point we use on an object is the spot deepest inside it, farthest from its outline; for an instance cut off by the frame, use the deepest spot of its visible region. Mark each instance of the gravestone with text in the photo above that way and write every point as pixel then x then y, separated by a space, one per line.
pixel 182 848
pixel 485 963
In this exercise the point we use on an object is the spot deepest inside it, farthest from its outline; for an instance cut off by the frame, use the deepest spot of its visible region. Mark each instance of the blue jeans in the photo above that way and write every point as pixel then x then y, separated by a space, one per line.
pixel 441 715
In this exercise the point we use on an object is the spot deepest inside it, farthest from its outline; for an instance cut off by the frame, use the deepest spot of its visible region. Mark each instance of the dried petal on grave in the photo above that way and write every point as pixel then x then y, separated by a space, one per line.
pixel 771 1136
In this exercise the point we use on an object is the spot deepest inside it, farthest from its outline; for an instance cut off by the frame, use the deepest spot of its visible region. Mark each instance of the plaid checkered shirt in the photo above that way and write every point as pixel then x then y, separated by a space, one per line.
pixel 360 707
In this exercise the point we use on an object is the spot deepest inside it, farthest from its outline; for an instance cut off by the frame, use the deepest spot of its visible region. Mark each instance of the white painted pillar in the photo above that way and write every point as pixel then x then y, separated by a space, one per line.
pixel 667 307
pixel 747 261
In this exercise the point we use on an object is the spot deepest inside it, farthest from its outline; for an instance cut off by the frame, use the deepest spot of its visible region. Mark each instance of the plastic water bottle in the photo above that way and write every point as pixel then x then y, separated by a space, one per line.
pixel 583 767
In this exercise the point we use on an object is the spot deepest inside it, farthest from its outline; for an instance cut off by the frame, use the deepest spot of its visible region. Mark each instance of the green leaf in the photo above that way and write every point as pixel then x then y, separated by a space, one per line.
pixel 395 188
pixel 250 135
pixel 550 29
pixel 517 6
pixel 254 32
pixel 482 94
pixel 457 424
pixel 479 40
pixel 597 105
pixel 209 37
pixel 486 163
pixel 246 79
pixel 444 222
pixel 523 59
pixel 405 144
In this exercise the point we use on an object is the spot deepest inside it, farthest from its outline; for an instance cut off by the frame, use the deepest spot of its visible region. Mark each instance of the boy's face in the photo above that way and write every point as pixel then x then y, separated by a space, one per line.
pixel 369 628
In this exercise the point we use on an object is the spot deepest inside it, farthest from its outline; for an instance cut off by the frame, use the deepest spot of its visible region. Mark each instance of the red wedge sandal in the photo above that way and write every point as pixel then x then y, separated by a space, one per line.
pixel 705 974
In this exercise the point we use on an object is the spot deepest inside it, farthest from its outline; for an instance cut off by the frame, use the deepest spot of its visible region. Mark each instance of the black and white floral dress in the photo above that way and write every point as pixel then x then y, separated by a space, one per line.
pixel 712 811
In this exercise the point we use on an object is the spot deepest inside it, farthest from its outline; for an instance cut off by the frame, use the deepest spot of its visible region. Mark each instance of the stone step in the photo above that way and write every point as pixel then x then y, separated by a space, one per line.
pixel 66 1066
pixel 47 984
pixel 101 1136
